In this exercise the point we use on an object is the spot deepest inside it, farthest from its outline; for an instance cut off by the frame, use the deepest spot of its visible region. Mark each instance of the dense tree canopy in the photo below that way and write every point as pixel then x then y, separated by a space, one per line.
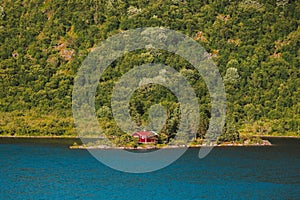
pixel 254 43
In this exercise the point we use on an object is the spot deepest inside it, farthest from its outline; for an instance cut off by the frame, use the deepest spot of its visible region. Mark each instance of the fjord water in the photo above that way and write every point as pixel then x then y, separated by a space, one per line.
pixel 53 171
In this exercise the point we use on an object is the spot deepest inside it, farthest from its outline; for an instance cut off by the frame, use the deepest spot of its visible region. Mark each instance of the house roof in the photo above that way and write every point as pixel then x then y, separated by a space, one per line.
pixel 146 133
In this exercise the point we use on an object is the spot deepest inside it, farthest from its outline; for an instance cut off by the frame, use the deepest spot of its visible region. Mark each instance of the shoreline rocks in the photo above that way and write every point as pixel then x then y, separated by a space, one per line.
pixel 263 143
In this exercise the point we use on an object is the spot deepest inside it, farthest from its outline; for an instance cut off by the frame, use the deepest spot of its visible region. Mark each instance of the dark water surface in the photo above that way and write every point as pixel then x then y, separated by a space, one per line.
pixel 52 171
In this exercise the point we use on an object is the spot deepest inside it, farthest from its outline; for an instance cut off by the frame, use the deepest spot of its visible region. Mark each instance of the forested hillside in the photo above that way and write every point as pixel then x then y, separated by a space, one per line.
pixel 254 43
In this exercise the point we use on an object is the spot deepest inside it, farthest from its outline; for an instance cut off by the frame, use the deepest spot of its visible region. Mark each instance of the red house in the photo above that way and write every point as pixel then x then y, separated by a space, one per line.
pixel 146 136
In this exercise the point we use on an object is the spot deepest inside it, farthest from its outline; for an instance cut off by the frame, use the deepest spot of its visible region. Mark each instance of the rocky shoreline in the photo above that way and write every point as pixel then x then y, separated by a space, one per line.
pixel 263 142
pixel 150 147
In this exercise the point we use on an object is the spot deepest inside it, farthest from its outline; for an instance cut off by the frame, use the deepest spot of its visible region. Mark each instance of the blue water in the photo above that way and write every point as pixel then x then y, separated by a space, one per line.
pixel 39 171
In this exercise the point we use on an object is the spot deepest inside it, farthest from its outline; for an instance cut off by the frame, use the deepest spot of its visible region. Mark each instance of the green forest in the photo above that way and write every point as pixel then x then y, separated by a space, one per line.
pixel 254 44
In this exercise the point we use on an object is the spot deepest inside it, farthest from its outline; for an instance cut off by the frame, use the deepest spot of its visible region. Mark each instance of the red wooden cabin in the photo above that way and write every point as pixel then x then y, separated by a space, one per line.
pixel 146 136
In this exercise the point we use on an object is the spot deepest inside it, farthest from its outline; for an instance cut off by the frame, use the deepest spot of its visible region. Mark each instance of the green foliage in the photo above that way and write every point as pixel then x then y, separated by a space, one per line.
pixel 255 45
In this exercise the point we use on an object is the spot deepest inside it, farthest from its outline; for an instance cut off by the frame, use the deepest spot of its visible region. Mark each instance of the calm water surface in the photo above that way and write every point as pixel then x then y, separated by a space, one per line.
pixel 41 171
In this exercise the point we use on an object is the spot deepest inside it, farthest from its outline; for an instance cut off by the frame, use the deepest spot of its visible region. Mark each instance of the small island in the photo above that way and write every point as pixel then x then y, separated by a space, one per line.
pixel 142 140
